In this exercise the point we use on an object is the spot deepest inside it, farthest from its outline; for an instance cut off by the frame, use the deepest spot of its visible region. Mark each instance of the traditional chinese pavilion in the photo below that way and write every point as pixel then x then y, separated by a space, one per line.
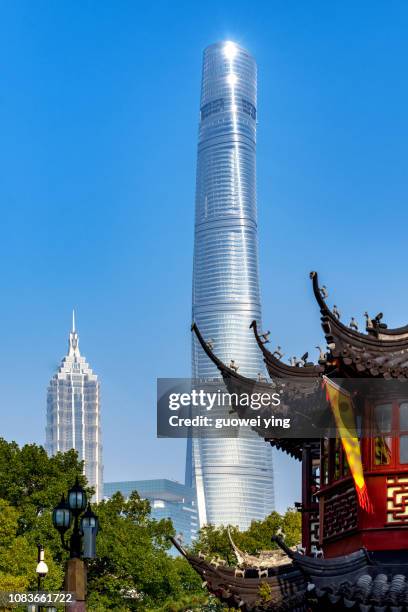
pixel 350 558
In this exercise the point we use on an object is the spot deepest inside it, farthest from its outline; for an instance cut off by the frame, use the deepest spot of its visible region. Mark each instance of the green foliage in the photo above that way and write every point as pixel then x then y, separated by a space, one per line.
pixel 214 541
pixel 31 484
pixel 133 565
pixel 265 592
pixel 18 557
pixel 33 481
pixel 133 569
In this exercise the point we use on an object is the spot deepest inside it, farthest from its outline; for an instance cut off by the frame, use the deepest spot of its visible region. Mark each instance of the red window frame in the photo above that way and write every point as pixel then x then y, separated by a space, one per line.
pixel 394 434
pixel 333 462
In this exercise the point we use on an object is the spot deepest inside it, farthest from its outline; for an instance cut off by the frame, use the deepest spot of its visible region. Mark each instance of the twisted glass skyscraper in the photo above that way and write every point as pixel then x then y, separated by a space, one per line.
pixel 233 477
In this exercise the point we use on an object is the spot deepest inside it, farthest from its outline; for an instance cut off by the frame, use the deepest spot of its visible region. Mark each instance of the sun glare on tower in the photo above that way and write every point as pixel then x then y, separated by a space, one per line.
pixel 230 50
pixel 232 78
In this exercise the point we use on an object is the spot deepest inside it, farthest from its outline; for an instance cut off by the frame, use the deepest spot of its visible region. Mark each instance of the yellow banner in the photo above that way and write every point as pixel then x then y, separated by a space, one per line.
pixel 343 411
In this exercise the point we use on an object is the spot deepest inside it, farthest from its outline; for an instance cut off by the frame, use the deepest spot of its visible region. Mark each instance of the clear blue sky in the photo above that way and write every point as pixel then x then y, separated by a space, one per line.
pixel 98 110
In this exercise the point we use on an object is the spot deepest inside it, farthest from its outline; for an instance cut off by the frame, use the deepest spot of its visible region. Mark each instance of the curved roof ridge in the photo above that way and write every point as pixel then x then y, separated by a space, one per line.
pixel 224 369
pixel 277 368
pixel 376 337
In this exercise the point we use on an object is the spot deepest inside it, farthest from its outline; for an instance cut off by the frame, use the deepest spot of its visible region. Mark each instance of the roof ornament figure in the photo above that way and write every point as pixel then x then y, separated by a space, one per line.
pixel 265 337
pixel 278 353
pixel 304 358
pixel 261 378
pixel 322 355
pixel 353 324
pixel 210 343
pixel 323 292
pixel 214 562
pixel 317 552
pixel 217 561
pixel 336 312
pixel 233 366
pixel 299 363
pixel 369 321
pixel 377 321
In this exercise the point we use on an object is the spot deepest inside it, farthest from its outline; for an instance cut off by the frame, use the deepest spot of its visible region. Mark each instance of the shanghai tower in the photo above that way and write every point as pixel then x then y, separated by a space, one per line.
pixel 233 476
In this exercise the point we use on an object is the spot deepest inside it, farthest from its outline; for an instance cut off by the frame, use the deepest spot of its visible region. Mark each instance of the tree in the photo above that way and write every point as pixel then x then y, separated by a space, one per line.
pixel 31 484
pixel 132 570
pixel 215 540
pixel 18 556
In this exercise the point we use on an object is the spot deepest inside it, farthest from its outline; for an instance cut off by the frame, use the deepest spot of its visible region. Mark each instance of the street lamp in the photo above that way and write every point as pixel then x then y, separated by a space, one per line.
pixel 41 570
pixel 82 543
pixel 89 528
pixel 42 567
pixel 77 499
pixel 61 516
pixel 86 528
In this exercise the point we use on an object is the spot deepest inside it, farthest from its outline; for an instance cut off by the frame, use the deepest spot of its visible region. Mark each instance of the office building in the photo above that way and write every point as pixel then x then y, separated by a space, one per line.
pixel 73 413
pixel 233 477
pixel 168 499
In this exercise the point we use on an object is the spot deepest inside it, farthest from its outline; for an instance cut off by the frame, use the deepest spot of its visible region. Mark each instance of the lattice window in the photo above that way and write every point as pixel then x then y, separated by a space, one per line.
pixel 340 513
pixel 397 499
pixel 314 528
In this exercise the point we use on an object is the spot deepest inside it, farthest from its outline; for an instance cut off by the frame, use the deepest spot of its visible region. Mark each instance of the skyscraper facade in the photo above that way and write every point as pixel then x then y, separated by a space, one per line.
pixel 233 477
pixel 168 499
pixel 73 413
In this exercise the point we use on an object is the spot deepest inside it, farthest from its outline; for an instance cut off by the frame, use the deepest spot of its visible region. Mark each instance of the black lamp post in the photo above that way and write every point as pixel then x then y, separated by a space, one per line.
pixel 74 507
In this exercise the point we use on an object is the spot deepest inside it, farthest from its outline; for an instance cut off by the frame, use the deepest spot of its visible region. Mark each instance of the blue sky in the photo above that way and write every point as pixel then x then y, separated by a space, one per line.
pixel 99 109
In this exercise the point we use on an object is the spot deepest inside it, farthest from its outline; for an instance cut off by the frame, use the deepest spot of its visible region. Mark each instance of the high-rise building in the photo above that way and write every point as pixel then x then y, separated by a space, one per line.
pixel 73 413
pixel 168 499
pixel 233 477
